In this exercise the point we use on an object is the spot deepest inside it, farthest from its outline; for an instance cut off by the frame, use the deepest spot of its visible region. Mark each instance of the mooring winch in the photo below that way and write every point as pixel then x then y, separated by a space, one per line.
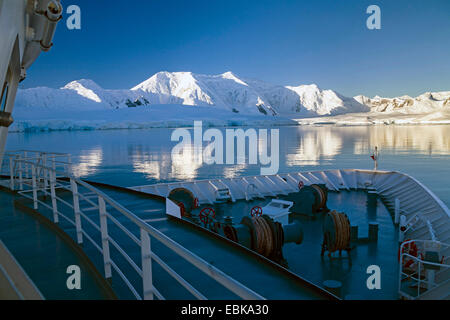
pixel 258 232
pixel 309 200
pixel 336 233
pixel 266 229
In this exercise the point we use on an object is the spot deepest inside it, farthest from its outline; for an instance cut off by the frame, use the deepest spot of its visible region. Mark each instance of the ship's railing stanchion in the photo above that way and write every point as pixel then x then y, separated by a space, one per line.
pixel 34 185
pixel 69 166
pixel 20 175
pixel 105 238
pixel 44 171
pixel 27 173
pixel 146 257
pixel 49 173
pixel 53 196
pixel 417 277
pixel 76 210
pixel 11 173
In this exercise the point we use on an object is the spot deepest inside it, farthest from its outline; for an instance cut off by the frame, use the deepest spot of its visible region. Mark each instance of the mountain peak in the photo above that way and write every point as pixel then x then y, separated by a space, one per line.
pixel 85 88
pixel 231 76
pixel 86 83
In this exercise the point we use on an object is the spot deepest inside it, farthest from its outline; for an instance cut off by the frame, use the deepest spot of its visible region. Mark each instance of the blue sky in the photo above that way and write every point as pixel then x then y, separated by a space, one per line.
pixel 122 43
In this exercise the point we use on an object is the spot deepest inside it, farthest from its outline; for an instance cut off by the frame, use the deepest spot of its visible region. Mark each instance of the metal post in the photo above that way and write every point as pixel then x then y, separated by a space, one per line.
pixel 69 166
pixel 105 240
pixel 53 195
pixel 147 277
pixel 76 210
pixel 402 228
pixel 34 184
pixel 53 163
pixel 400 276
pixel 25 155
pixel 20 175
pixel 375 158
pixel 44 170
pixel 418 279
pixel 397 211
pixel 11 173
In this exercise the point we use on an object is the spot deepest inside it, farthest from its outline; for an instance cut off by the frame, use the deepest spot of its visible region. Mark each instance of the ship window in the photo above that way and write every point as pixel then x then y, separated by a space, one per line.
pixel 4 96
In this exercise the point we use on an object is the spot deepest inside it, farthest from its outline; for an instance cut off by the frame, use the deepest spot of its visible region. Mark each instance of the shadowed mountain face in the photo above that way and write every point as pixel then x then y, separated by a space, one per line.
pixel 225 91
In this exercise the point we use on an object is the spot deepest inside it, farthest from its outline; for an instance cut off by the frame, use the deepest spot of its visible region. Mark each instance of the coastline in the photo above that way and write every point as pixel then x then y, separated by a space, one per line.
pixel 176 116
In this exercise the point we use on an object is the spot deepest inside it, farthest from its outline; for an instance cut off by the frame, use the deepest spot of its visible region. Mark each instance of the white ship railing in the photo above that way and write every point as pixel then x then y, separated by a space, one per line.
pixel 32 179
pixel 425 216
pixel 434 286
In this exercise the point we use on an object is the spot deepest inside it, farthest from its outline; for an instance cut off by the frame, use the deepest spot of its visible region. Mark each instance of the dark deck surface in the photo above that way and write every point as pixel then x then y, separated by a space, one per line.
pixel 265 279
pixel 43 255
pixel 306 261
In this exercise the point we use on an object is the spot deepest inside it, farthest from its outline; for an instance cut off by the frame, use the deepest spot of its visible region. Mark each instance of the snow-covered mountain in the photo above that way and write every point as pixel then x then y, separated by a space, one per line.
pixel 326 102
pixel 225 91
pixel 428 102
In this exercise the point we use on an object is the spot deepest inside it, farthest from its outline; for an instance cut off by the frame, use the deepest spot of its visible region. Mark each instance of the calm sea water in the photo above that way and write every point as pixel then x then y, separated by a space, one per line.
pixel 137 157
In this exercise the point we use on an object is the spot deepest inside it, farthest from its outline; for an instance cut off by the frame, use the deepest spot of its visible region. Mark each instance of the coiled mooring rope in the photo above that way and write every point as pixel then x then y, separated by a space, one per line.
pixel 264 237
pixel 323 197
pixel 342 232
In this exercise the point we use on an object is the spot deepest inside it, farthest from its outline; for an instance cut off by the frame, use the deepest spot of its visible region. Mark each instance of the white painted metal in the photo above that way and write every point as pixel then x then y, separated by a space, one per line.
pixel 147 277
pixel 34 184
pixel 105 238
pixel 146 232
pixel 425 216
pixel 53 196
pixel 25 30
pixel 278 210
pixel 437 287
pixel 76 210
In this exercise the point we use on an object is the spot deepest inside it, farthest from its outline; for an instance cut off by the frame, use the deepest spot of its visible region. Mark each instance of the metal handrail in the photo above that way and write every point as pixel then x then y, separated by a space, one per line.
pixel 420 262
pixel 49 175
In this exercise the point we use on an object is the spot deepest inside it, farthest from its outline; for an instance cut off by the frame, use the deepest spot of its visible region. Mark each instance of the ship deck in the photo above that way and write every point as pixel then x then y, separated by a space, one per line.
pixel 303 278
pixel 43 254
pixel 305 259
pixel 272 282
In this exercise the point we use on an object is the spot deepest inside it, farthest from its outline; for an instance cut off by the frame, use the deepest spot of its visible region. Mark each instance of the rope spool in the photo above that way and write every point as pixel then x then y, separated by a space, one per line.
pixel 264 236
pixel 336 232
pixel 230 233
pixel 322 196
pixel 184 196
